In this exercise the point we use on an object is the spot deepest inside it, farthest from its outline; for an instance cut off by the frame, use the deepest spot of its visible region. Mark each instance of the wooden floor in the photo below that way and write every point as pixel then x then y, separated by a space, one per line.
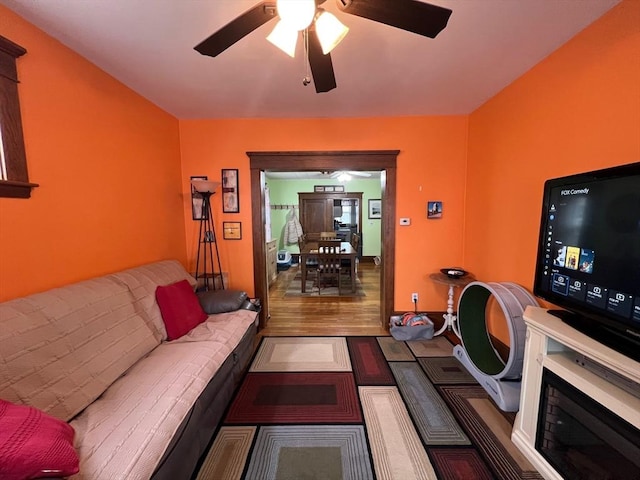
pixel 332 316
pixel 326 315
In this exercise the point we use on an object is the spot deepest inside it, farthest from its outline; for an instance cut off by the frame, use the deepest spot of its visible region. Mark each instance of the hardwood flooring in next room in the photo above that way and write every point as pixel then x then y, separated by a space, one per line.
pixel 326 315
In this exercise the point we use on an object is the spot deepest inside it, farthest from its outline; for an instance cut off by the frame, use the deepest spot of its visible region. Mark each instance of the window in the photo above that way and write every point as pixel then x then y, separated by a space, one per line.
pixel 14 178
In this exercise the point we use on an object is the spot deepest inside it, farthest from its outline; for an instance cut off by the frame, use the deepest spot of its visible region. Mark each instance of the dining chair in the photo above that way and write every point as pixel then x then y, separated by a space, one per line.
pixel 311 261
pixel 328 236
pixel 329 265
pixel 346 262
pixel 355 240
pixel 355 243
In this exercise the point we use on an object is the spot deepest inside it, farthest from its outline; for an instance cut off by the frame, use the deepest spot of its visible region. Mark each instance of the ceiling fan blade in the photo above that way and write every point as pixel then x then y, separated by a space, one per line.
pixel 237 29
pixel 321 65
pixel 411 15
pixel 353 173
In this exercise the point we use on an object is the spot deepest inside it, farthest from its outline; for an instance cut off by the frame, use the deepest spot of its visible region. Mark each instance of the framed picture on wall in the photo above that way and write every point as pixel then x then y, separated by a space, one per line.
pixel 375 208
pixel 232 230
pixel 434 209
pixel 230 198
pixel 328 188
pixel 197 213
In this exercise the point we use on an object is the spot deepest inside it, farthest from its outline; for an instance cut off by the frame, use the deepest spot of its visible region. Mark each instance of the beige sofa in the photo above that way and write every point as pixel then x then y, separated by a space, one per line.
pixel 95 354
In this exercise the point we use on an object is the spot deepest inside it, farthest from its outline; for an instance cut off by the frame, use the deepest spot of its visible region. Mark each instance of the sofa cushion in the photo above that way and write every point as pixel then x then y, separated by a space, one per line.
pixel 60 349
pixel 221 327
pixel 181 311
pixel 143 281
pixel 125 432
pixel 34 444
pixel 221 301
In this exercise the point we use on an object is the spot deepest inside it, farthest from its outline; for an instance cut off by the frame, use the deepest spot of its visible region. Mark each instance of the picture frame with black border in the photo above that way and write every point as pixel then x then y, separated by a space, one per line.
pixel 375 208
pixel 328 188
pixel 232 230
pixel 230 190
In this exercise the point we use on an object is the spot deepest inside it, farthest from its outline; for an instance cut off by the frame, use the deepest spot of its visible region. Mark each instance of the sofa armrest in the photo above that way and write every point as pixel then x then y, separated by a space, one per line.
pixel 221 301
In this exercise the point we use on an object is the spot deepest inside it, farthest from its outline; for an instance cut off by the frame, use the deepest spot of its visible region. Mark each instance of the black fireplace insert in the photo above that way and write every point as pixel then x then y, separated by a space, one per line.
pixel 581 438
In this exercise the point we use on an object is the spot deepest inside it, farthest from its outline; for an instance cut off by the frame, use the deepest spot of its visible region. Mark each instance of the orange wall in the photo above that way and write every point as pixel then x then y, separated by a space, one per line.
pixel 108 165
pixel 431 166
pixel 577 110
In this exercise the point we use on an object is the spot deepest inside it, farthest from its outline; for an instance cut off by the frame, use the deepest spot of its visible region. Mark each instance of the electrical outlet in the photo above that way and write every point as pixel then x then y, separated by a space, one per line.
pixel 414 297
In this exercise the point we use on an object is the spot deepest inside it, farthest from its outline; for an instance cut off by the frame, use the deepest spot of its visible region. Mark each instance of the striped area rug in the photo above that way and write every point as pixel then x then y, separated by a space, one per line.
pixel 369 367
pixel 315 397
pixel 445 370
pixel 395 445
pixel 328 451
pixel 302 354
pixel 434 420
pixel 348 408
pixel 490 430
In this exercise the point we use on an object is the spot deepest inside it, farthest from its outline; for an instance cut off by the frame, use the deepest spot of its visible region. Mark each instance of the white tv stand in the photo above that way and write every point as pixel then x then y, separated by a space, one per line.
pixel 552 344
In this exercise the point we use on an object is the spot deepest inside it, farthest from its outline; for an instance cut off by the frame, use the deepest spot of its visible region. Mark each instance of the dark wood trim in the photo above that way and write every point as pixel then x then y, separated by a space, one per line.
pixel 322 160
pixel 258 220
pixel 331 195
pixel 382 160
pixel 16 184
pixel 9 52
pixel 9 189
pixel 13 49
pixel 388 242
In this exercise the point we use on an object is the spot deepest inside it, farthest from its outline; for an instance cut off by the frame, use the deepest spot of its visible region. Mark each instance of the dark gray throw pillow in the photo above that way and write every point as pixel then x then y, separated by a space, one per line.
pixel 220 301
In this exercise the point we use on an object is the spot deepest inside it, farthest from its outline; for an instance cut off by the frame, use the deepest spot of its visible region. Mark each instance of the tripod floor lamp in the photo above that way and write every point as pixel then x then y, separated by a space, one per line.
pixel 206 261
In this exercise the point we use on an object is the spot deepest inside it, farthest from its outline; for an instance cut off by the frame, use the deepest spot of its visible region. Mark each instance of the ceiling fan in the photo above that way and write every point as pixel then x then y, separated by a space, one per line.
pixel 346 175
pixel 410 15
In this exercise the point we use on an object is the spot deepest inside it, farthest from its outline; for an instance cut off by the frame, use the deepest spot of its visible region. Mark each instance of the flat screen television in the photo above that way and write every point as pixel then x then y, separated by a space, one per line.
pixel 588 260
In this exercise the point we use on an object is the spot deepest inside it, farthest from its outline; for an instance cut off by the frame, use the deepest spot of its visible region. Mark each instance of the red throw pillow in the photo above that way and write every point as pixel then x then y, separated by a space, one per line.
pixel 181 311
pixel 34 444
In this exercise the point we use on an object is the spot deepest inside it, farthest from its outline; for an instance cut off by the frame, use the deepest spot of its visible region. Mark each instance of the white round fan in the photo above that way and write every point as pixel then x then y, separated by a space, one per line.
pixel 345 176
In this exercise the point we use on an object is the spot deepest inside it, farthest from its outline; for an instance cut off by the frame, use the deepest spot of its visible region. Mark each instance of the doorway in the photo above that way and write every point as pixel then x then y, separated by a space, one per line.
pixel 380 160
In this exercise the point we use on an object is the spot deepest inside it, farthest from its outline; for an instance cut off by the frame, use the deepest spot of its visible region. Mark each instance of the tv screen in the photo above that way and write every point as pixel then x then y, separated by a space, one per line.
pixel 588 259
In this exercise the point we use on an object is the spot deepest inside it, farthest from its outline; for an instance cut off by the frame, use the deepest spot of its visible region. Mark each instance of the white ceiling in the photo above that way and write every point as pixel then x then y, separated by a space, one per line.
pixel 380 70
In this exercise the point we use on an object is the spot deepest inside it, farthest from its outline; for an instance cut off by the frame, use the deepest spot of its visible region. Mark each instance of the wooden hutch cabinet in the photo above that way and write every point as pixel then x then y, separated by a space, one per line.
pixel 331 211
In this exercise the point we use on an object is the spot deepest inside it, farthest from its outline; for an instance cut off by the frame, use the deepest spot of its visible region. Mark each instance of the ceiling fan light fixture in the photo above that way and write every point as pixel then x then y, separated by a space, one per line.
pixel 344 177
pixel 297 14
pixel 330 30
pixel 285 38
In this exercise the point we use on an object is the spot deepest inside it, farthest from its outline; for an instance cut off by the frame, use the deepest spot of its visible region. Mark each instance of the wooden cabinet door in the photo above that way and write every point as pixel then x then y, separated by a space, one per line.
pixel 316 214
pixel 272 261
pixel 317 210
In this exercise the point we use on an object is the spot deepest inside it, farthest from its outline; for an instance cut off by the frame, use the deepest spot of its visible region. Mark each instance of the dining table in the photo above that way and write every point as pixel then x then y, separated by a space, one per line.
pixel 310 250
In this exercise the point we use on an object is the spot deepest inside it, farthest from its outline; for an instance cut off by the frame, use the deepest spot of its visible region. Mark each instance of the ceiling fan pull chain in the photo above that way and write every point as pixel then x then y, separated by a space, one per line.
pixel 306 80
